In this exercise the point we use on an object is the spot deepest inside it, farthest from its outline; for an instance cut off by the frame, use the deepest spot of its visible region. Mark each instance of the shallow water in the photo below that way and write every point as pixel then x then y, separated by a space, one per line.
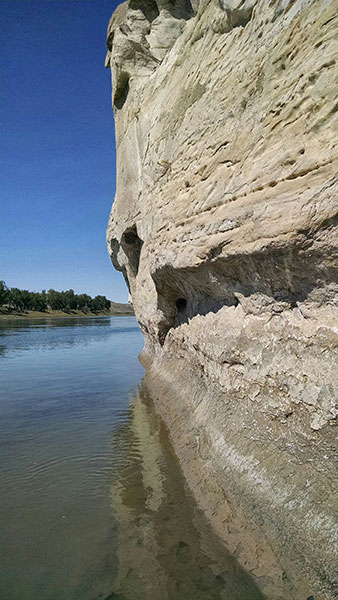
pixel 93 502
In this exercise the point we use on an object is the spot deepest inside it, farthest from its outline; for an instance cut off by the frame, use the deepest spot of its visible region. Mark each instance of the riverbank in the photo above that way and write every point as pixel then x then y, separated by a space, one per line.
pixel 34 314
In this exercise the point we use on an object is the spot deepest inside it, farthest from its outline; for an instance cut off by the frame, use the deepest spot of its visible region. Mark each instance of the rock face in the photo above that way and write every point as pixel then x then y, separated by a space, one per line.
pixel 224 226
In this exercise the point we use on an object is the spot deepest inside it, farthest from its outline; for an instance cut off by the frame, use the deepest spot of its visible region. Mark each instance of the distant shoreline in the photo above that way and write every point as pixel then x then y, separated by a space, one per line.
pixel 29 314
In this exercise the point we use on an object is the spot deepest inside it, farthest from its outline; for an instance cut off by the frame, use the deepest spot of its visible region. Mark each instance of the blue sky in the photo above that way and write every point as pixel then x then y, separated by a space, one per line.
pixel 57 146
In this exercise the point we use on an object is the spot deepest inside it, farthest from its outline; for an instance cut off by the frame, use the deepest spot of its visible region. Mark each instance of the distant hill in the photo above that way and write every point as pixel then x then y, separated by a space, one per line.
pixel 117 308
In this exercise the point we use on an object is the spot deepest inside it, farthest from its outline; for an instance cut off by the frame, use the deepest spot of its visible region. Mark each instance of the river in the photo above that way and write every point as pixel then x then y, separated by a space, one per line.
pixel 93 502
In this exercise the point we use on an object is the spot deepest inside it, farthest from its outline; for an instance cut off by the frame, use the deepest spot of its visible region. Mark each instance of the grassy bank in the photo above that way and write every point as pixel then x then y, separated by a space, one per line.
pixel 34 314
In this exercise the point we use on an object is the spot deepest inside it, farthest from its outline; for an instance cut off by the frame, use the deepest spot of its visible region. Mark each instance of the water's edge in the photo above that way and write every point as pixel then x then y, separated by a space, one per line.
pixel 166 547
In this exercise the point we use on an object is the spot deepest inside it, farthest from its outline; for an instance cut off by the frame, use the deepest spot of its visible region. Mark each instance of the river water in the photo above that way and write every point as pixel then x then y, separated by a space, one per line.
pixel 93 502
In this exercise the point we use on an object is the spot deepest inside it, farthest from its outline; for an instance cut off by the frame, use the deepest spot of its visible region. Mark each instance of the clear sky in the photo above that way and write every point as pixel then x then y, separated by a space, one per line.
pixel 57 147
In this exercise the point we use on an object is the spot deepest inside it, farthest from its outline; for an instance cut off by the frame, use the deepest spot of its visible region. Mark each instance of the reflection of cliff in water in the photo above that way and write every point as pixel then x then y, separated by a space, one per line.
pixel 165 547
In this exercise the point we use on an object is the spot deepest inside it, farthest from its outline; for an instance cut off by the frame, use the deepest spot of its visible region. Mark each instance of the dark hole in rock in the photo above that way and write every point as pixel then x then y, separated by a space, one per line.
pixel 121 90
pixel 181 305
pixel 132 245
pixel 148 7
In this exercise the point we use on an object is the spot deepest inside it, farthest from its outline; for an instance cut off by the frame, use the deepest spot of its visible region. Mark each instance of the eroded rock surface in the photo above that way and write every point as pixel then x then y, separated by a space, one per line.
pixel 225 228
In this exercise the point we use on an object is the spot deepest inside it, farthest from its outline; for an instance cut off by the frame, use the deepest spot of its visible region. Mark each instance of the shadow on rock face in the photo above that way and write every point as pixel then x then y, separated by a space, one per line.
pixel 273 279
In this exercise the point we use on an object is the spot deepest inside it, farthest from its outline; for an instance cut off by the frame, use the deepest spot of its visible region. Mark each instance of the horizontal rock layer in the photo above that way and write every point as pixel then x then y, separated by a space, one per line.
pixel 225 228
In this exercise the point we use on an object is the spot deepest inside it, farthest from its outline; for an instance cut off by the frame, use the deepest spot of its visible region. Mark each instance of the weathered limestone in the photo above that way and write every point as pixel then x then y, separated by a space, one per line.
pixel 225 228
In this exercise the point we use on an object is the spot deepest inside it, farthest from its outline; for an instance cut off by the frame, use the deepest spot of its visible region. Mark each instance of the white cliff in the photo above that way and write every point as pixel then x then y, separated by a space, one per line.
pixel 224 226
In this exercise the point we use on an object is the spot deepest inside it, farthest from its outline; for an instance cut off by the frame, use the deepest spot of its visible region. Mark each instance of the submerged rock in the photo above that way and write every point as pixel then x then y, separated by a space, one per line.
pixel 224 226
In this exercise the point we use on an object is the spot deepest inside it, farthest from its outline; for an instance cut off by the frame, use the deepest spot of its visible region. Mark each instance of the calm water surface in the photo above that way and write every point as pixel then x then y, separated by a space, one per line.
pixel 93 502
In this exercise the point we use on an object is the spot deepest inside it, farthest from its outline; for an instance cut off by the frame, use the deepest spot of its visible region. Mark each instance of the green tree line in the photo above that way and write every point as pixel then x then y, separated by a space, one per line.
pixel 21 300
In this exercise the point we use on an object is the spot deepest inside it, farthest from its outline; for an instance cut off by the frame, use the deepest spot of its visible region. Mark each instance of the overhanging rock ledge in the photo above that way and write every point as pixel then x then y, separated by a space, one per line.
pixel 224 226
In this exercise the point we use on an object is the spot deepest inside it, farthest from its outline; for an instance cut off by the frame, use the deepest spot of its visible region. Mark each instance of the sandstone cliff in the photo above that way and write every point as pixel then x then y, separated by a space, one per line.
pixel 224 226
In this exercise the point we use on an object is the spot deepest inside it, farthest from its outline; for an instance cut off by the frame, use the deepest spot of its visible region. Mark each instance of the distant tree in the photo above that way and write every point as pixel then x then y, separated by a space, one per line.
pixel 15 299
pixel 66 300
pixel 106 303
pixel 80 301
pixel 99 303
pixel 26 299
pixel 44 297
pixel 56 300
pixel 84 302
pixel 38 302
pixel 51 298
pixel 4 293
pixel 70 299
